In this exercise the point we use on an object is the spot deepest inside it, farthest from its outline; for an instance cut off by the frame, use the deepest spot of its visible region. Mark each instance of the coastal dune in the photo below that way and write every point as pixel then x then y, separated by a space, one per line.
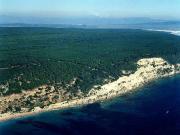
pixel 148 70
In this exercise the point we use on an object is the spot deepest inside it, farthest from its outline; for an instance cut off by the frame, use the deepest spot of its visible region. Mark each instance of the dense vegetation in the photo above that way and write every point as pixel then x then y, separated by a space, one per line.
pixel 30 57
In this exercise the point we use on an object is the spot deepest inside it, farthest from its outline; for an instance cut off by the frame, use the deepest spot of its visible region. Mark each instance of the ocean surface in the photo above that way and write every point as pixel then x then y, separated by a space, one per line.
pixel 151 110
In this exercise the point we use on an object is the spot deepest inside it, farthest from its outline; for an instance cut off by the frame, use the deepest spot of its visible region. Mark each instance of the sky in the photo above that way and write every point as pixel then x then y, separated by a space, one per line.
pixel 98 8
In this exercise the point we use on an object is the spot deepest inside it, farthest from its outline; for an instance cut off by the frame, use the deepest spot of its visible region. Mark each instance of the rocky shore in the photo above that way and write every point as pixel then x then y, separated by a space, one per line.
pixel 148 69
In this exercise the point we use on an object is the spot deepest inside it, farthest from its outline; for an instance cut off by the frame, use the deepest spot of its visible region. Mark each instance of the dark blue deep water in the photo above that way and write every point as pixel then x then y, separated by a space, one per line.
pixel 153 110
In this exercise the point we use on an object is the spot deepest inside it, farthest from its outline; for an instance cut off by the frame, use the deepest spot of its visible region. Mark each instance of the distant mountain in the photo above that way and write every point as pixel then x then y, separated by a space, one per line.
pixel 89 22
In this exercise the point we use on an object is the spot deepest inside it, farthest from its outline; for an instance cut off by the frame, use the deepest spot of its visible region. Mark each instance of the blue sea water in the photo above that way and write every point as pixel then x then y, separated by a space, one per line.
pixel 152 110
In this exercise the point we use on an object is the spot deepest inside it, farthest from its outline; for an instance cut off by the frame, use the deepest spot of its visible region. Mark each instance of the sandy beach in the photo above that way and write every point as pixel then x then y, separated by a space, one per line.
pixel 148 70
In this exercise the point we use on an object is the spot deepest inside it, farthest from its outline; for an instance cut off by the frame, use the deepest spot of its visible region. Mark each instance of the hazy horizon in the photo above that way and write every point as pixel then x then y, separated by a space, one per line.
pixel 89 12
pixel 161 9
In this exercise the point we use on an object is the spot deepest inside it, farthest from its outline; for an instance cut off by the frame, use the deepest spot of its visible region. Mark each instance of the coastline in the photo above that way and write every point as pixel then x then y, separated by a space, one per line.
pixel 148 70
pixel 173 32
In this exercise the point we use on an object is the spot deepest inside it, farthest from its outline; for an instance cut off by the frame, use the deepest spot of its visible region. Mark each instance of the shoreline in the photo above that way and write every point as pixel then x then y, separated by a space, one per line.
pixel 149 69
pixel 173 32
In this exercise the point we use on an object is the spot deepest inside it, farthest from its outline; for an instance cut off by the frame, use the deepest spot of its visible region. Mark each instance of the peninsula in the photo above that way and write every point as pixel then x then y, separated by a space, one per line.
pixel 46 98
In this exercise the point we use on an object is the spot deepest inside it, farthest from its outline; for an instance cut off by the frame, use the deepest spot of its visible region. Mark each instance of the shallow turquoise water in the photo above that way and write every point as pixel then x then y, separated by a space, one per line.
pixel 152 110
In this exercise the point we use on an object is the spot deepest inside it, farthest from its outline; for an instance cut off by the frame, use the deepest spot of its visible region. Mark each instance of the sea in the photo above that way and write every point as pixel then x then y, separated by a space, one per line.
pixel 151 110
